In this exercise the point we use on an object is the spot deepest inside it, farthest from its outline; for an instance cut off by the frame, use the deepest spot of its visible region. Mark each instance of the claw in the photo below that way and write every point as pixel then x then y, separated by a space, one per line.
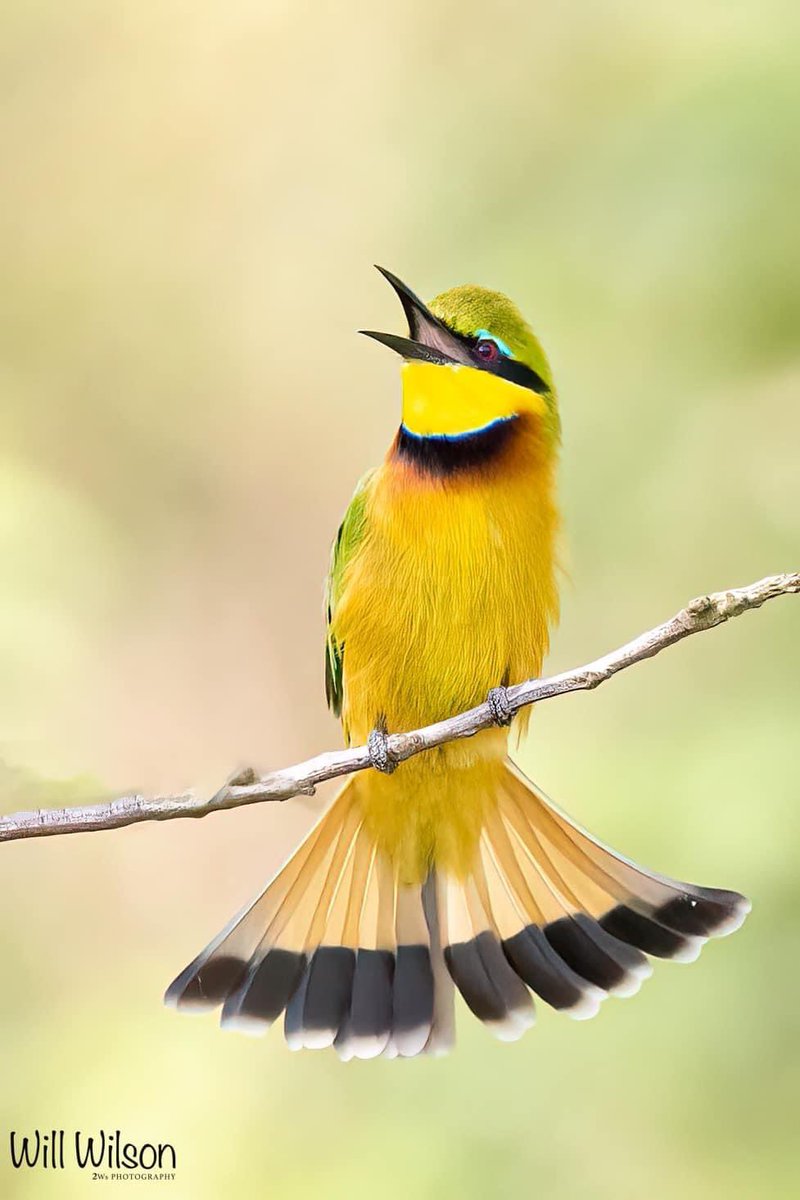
pixel 378 746
pixel 499 703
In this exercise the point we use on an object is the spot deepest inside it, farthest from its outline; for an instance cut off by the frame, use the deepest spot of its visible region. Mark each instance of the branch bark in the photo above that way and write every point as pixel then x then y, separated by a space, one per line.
pixel 703 613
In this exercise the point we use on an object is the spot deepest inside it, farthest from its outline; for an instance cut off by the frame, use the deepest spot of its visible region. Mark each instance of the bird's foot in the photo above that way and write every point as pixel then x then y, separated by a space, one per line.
pixel 378 747
pixel 500 705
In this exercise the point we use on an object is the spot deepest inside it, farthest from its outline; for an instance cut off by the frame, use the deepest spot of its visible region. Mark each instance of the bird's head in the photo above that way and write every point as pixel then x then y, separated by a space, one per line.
pixel 470 360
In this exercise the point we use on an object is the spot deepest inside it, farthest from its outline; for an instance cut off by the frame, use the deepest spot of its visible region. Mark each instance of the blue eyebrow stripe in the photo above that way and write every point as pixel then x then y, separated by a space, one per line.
pixel 491 337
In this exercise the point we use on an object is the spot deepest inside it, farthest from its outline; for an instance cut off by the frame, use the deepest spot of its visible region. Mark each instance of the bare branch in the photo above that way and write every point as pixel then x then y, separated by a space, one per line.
pixel 301 779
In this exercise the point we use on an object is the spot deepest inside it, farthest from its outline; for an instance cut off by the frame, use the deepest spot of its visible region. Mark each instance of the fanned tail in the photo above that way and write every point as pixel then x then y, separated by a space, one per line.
pixel 335 943
pixel 572 919
pixel 358 960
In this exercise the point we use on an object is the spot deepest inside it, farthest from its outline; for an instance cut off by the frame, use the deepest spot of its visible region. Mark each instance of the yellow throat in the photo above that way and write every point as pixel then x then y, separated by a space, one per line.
pixel 449 401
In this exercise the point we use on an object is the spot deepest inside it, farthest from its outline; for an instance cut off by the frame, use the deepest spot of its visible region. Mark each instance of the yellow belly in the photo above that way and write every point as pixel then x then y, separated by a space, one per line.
pixel 452 592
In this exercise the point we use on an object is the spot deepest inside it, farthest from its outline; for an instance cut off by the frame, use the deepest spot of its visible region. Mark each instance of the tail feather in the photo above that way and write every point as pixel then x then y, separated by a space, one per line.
pixel 412 1002
pixel 356 959
pixel 572 932
pixel 366 1030
pixel 493 992
pixel 443 1029
pixel 659 916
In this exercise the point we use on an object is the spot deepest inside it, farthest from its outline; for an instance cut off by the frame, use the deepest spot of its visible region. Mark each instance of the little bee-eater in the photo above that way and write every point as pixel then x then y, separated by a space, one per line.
pixel 453 871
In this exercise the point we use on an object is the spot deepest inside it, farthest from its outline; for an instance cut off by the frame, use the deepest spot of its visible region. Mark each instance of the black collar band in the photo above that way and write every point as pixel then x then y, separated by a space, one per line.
pixel 441 455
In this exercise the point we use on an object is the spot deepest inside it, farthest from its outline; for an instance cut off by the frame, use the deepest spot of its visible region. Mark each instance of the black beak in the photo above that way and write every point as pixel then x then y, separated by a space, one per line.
pixel 429 338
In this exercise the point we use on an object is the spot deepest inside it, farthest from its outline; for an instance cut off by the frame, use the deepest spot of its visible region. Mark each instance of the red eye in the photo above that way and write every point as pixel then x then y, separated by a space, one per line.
pixel 487 350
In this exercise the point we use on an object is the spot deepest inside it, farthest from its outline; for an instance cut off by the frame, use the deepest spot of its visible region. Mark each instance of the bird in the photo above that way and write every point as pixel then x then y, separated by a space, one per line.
pixel 450 872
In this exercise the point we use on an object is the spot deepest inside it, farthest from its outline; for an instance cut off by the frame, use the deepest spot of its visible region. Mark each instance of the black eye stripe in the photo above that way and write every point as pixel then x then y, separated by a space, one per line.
pixel 508 368
pixel 519 373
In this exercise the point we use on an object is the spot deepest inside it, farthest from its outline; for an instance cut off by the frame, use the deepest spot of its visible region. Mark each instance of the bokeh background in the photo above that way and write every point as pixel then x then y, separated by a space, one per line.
pixel 192 198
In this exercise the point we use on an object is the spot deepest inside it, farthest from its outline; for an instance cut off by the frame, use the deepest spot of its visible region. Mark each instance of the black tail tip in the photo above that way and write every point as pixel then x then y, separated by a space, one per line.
pixel 204 987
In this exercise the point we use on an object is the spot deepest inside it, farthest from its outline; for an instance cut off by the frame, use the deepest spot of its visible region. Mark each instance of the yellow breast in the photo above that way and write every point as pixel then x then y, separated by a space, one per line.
pixel 452 591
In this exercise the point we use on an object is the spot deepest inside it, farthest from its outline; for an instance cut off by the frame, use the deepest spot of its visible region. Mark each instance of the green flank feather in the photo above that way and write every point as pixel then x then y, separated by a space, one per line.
pixel 346 543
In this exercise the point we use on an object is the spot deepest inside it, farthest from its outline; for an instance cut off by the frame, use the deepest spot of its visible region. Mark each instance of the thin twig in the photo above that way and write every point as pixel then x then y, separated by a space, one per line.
pixel 301 779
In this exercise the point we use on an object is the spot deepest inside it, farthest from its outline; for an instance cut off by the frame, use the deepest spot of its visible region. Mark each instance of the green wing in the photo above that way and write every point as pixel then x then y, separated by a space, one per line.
pixel 348 539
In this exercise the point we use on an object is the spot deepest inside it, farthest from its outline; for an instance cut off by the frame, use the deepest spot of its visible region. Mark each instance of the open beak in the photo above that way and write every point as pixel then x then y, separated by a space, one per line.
pixel 429 338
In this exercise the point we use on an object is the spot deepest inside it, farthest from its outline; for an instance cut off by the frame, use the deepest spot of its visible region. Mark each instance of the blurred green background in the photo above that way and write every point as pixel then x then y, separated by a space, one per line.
pixel 192 199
